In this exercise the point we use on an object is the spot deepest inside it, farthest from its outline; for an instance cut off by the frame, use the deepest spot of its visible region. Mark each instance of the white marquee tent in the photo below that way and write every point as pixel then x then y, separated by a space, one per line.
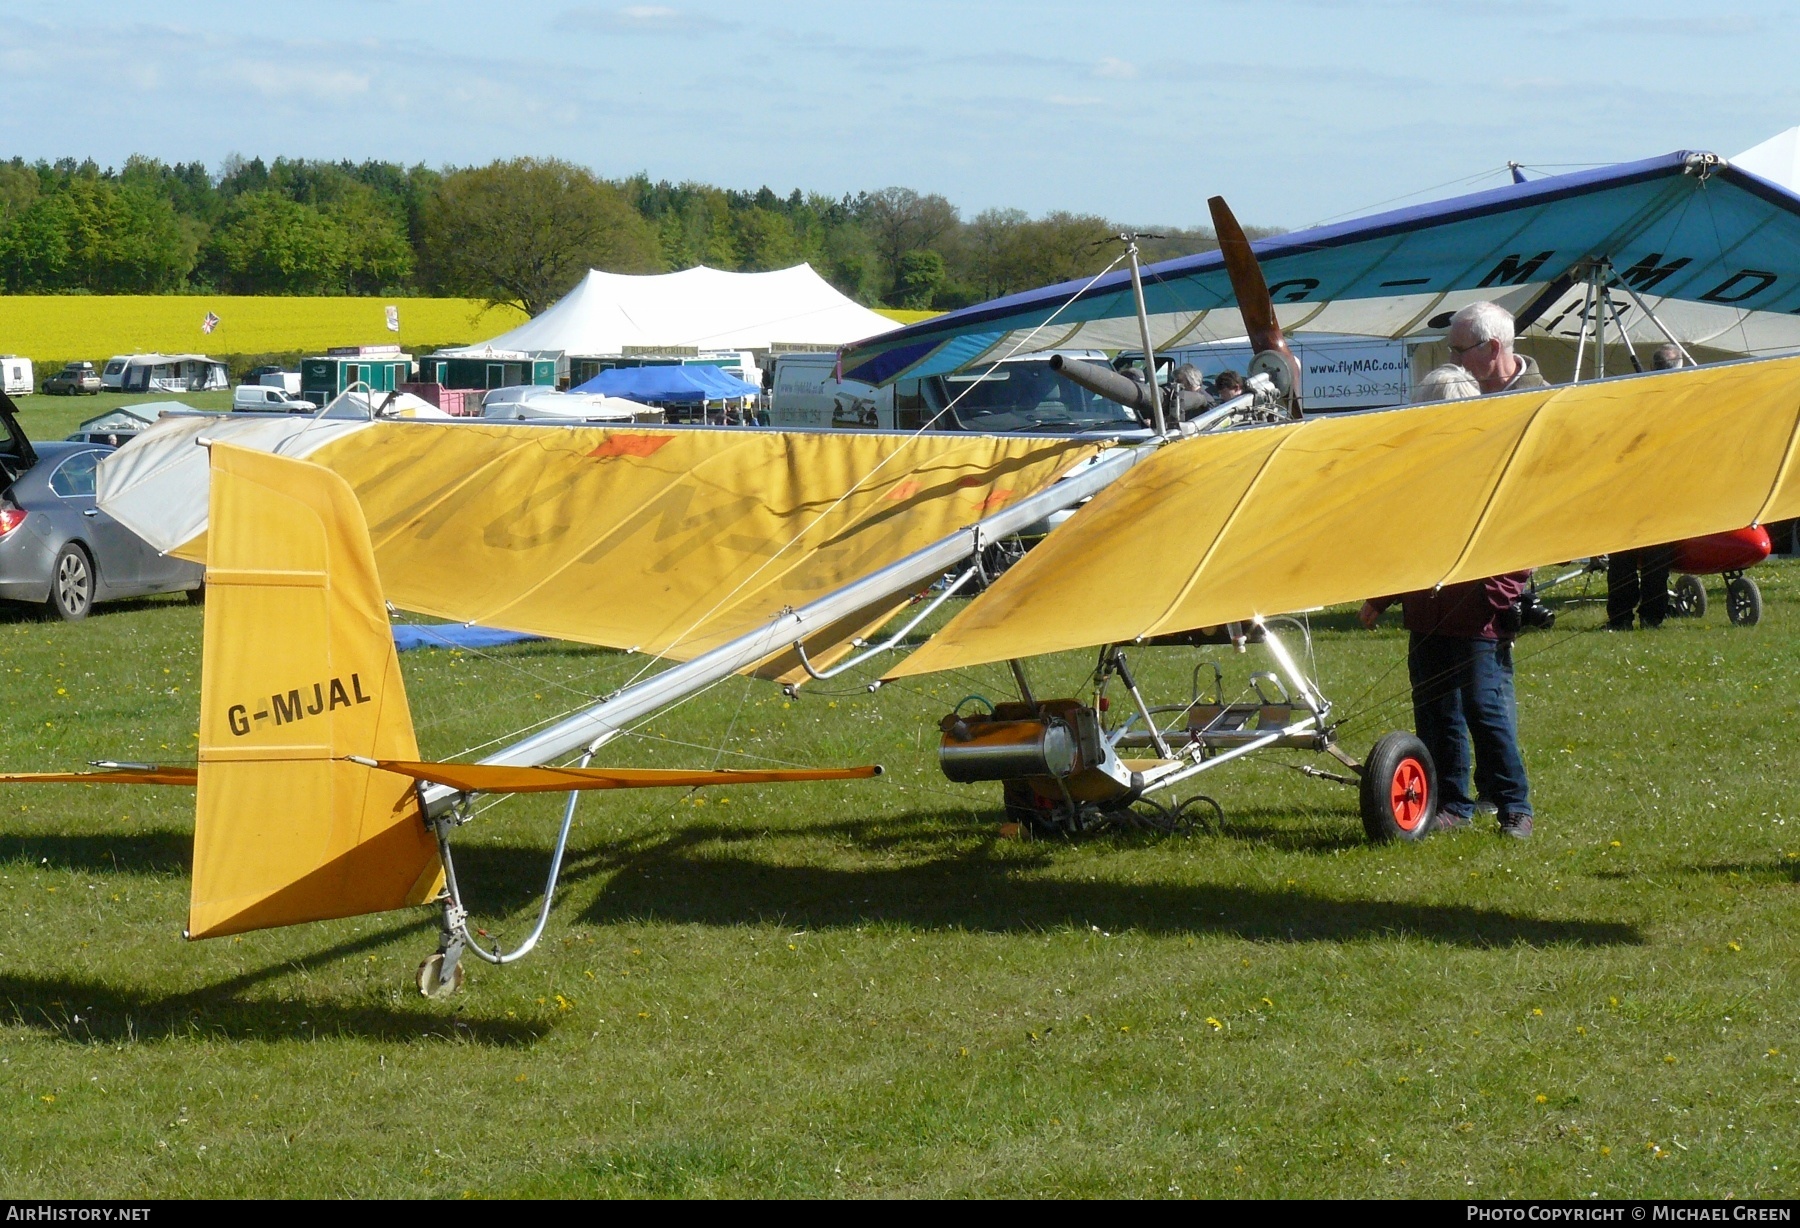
pixel 702 307
pixel 1776 159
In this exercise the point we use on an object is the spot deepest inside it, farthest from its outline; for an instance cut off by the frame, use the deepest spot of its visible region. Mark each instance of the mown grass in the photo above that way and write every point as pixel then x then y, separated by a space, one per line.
pixel 862 989
pixel 58 417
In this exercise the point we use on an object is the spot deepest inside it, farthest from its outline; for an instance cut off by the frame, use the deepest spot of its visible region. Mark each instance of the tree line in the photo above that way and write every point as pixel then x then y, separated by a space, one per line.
pixel 519 231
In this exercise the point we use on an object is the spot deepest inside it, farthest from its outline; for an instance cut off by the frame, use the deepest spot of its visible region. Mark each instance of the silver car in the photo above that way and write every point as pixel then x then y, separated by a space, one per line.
pixel 58 549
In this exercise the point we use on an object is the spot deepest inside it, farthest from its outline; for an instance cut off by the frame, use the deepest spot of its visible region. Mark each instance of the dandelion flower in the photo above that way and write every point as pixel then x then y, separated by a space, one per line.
pixel 1214 1024
pixel 1669 1059
pixel 1538 1011
pixel 1732 946
pixel 1543 1099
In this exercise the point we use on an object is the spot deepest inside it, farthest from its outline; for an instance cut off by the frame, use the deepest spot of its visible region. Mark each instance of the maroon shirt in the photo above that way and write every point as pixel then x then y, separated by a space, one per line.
pixel 1461 611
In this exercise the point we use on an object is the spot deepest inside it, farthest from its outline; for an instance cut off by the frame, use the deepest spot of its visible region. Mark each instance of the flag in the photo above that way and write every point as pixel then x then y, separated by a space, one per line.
pixel 212 321
pixel 393 314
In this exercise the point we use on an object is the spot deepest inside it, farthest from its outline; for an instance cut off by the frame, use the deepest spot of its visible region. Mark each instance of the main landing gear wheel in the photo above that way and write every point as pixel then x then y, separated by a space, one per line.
pixel 1743 601
pixel 1688 598
pixel 1399 789
pixel 431 974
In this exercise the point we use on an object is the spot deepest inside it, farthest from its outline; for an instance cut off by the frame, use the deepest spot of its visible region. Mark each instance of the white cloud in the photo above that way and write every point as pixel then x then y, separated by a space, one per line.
pixel 1115 69
pixel 643 19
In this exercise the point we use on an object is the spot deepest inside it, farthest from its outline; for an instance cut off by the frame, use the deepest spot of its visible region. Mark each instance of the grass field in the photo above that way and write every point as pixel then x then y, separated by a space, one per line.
pixel 861 989
pixel 52 329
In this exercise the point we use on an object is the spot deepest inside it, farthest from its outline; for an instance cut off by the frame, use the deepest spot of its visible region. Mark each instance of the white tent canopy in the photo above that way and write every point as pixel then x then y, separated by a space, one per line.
pixel 1776 159
pixel 702 307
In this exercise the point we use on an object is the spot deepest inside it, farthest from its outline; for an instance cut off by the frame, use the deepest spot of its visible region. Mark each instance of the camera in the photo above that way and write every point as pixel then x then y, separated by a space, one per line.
pixel 1527 613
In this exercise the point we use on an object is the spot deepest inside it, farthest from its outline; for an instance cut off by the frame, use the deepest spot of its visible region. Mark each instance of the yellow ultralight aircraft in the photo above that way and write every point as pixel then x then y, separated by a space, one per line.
pixel 774 553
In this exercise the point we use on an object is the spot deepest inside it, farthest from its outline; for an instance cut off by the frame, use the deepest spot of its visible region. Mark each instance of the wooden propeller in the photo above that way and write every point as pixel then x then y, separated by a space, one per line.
pixel 1254 303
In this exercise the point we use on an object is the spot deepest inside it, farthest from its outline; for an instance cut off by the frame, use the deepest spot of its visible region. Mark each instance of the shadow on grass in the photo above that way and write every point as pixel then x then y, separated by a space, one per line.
pixel 950 880
pixel 151 852
pixel 88 1011
pixel 1772 871
pixel 14 612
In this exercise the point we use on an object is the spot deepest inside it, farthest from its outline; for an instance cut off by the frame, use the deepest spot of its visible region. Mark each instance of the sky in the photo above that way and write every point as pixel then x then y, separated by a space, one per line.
pixel 1297 111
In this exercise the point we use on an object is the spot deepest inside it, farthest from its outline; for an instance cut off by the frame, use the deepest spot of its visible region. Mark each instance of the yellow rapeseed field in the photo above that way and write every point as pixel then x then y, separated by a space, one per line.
pixel 56 328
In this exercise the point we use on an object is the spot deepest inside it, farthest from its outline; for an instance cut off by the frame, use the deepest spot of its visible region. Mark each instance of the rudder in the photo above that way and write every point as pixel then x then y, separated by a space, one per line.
pixel 299 672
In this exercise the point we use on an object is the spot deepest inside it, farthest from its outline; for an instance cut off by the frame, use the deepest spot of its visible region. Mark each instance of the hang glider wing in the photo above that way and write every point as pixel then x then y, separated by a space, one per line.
pixel 1713 250
pixel 1335 509
pixel 669 541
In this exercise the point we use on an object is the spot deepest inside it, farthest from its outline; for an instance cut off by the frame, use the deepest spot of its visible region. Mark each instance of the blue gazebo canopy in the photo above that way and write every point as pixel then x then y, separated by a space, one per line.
pixel 698 382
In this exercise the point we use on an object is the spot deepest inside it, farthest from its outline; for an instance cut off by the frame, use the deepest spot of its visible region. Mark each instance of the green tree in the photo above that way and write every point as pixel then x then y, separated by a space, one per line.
pixel 918 278
pixel 525 231
pixel 376 254
pixel 898 221
pixel 764 240
pixel 268 244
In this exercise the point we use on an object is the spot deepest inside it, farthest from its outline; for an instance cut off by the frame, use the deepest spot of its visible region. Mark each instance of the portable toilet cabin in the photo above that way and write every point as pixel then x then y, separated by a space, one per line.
pixel 17 375
pixel 487 369
pixel 378 368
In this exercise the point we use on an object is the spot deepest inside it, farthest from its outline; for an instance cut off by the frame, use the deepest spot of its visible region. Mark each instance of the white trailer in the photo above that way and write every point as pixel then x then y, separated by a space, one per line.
pixel 17 375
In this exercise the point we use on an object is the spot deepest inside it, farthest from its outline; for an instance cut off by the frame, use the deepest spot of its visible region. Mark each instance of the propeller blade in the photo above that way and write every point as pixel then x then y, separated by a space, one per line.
pixel 1252 291
pixel 1254 303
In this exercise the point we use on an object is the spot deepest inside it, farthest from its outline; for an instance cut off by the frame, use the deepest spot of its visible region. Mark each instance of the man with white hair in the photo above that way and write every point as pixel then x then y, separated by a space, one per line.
pixel 1481 343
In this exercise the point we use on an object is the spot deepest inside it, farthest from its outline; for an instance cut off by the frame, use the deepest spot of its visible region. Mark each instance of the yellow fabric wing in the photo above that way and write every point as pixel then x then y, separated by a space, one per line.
pixel 1223 528
pixel 299 671
pixel 669 541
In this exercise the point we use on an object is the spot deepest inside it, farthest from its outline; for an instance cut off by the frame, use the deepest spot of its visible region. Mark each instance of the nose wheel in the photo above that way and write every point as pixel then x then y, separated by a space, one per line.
pixel 1399 789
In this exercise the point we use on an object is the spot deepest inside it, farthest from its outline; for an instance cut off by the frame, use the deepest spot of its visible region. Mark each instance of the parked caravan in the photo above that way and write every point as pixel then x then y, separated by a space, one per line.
pixel 112 375
pixel 173 373
pixel 17 375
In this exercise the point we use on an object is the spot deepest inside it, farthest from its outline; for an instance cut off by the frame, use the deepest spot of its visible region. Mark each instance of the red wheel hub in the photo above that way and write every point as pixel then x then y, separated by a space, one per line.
pixel 1410 794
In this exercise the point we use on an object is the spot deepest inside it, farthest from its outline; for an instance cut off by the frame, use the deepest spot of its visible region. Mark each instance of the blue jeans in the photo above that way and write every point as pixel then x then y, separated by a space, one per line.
pixel 1463 690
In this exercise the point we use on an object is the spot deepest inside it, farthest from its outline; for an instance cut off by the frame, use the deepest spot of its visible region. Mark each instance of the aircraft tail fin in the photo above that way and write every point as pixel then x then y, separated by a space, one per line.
pixel 299 680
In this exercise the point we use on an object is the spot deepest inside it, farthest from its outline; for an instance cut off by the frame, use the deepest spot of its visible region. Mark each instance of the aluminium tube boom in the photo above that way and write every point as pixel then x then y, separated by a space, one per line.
pixel 606 719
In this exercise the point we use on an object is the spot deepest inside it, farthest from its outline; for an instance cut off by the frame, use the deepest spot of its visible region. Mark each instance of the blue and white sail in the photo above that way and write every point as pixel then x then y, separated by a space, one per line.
pixel 1712 250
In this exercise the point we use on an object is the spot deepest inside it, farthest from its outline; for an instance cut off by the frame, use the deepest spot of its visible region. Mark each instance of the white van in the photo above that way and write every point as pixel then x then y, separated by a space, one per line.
pixel 1018 394
pixel 256 398
pixel 17 375
pixel 287 381
pixel 112 375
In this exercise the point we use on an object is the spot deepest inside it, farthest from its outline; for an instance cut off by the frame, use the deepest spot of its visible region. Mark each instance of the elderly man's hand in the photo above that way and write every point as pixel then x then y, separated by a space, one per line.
pixel 1370 614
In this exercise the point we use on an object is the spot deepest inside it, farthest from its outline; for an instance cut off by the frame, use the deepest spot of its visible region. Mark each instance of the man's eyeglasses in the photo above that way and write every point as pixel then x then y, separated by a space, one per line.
pixel 1457 351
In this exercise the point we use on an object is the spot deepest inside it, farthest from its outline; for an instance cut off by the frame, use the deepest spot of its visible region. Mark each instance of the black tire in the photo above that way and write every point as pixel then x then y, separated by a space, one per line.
pixel 1687 599
pixel 71 584
pixel 1743 602
pixel 197 594
pixel 1399 789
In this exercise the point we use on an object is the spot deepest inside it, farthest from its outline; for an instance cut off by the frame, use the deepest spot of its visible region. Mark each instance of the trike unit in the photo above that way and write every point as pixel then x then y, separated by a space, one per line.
pixel 1064 767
